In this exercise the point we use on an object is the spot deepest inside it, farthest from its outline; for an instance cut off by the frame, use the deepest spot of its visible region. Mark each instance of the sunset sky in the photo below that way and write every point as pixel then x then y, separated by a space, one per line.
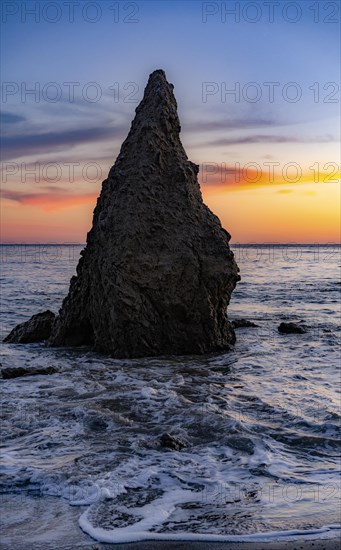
pixel 269 152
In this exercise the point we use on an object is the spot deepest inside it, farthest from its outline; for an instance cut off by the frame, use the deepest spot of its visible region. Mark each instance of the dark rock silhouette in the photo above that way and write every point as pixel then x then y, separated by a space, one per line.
pixel 291 328
pixel 243 323
pixel 157 273
pixel 16 372
pixel 172 442
pixel 36 329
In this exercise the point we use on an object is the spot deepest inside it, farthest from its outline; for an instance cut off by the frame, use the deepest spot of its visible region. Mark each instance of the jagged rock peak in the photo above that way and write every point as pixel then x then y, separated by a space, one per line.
pixel 155 128
pixel 158 105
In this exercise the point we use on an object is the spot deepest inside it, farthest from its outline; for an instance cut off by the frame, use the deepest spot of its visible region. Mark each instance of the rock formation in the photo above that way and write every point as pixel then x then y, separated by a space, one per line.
pixel 172 442
pixel 36 329
pixel 157 273
pixel 16 372
pixel 291 328
pixel 243 323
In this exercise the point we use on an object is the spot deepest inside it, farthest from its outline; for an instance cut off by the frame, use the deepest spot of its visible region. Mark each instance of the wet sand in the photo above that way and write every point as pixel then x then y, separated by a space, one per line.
pixel 50 523
pixel 333 544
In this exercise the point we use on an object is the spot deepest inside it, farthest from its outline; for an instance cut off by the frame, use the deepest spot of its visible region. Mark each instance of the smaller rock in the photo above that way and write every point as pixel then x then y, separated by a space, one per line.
pixel 95 423
pixel 241 444
pixel 36 329
pixel 16 372
pixel 291 328
pixel 172 442
pixel 243 323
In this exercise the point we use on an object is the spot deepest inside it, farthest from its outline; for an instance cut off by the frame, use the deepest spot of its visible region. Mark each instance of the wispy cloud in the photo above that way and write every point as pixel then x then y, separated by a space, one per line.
pixel 28 144
pixel 51 199
pixel 10 118
pixel 229 124
pixel 268 138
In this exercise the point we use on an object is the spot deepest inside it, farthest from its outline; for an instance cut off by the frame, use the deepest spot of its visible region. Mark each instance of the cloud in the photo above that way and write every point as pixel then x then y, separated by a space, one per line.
pixel 309 193
pixel 10 118
pixel 229 124
pixel 268 139
pixel 54 199
pixel 27 144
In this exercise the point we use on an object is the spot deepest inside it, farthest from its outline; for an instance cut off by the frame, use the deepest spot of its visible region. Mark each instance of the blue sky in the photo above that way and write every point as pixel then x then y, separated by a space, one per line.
pixel 193 43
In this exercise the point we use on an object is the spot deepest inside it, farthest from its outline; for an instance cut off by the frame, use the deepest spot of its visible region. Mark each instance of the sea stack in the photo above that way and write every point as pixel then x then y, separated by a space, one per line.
pixel 157 273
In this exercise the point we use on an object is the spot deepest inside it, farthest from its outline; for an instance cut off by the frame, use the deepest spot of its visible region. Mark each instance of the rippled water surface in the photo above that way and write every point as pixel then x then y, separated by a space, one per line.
pixel 261 423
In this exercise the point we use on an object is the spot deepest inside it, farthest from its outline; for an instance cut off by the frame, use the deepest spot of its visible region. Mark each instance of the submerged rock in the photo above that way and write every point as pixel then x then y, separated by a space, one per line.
pixel 172 442
pixel 157 272
pixel 36 329
pixel 291 328
pixel 241 444
pixel 95 422
pixel 17 372
pixel 243 323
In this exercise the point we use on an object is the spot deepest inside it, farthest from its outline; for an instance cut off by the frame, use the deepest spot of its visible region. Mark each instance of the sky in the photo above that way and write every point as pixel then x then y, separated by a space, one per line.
pixel 257 86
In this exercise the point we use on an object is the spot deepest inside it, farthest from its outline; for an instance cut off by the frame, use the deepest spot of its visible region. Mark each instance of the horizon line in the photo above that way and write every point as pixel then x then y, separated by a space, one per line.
pixel 292 243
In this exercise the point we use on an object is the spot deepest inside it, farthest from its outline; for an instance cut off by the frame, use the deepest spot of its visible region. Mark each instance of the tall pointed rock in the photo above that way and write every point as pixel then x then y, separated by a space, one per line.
pixel 157 273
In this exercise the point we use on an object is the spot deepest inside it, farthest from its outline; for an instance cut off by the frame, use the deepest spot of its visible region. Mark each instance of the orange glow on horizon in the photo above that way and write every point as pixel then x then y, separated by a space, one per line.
pixel 252 179
pixel 53 202
pixel 306 214
pixel 261 211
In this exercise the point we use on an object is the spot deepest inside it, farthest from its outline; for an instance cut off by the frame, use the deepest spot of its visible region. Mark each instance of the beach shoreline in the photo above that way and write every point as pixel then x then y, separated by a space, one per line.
pixel 332 544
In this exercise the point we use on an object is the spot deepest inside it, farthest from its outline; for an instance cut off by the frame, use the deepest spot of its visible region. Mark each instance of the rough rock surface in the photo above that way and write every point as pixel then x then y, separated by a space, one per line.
pixel 157 273
pixel 291 328
pixel 36 329
pixel 172 442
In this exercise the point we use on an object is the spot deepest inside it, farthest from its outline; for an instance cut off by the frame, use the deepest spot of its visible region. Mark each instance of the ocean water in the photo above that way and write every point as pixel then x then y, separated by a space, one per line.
pixel 81 448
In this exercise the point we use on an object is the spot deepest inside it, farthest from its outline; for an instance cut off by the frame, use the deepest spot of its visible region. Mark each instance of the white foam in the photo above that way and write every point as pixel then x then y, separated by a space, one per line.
pixel 139 531
pixel 148 392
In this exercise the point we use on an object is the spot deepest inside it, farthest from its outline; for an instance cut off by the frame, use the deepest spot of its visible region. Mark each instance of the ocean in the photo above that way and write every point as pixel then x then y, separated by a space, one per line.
pixel 81 448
